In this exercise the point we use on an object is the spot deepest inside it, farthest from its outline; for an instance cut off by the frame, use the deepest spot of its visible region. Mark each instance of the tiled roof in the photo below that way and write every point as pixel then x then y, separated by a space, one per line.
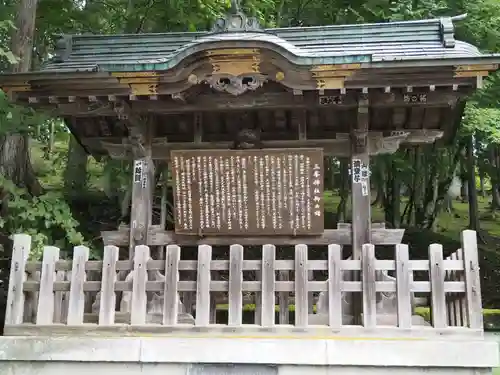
pixel 364 43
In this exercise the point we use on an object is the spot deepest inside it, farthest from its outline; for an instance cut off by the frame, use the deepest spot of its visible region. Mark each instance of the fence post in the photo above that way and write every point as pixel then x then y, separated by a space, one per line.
pixel 268 285
pixel 235 293
pixel 403 285
pixel 139 297
pixel 334 286
pixel 301 278
pixel 369 286
pixel 108 295
pixel 436 273
pixel 171 297
pixel 15 297
pixel 472 279
pixel 203 286
pixel 45 310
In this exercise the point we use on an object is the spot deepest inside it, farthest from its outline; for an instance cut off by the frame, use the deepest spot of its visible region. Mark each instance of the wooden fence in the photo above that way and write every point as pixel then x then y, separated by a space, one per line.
pixel 62 290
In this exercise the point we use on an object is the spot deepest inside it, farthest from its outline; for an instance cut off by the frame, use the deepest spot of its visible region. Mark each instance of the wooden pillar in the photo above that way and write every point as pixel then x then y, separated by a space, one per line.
pixel 360 182
pixel 360 167
pixel 142 192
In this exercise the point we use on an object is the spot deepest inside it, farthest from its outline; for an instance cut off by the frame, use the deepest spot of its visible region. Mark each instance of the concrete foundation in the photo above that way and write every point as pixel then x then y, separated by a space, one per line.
pixel 244 356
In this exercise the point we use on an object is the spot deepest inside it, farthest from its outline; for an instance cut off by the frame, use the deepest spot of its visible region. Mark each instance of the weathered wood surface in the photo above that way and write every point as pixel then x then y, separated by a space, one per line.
pixel 158 237
pixel 472 279
pixel 78 278
pixel 165 104
pixel 248 192
pixel 15 299
pixel 108 295
pixel 332 144
pixel 437 279
pixel 403 285
pixel 162 292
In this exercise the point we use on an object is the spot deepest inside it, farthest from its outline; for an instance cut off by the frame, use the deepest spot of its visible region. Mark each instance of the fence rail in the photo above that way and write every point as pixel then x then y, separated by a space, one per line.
pixel 160 293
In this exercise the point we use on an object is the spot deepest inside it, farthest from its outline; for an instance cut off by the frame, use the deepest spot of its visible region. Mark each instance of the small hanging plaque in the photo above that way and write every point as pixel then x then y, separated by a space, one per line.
pixel 138 171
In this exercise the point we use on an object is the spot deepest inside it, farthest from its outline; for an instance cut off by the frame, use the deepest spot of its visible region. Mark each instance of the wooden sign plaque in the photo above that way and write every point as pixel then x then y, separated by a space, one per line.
pixel 248 192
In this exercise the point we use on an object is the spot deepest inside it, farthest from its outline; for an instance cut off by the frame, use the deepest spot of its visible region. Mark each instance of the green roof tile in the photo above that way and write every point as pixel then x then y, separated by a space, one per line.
pixel 425 40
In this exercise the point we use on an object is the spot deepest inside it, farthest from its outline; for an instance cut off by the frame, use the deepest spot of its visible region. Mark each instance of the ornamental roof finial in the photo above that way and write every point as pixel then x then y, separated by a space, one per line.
pixel 235 6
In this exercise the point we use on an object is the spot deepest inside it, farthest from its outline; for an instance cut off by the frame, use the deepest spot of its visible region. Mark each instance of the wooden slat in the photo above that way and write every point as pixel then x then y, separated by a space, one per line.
pixel 283 299
pixel 59 299
pixel 453 314
pixel 369 288
pixel 310 295
pixel 213 311
pixel 235 293
pixel 253 286
pixel 108 296
pixel 171 296
pixel 139 298
pixel 252 265
pixel 301 310
pixel 436 275
pixel 268 281
pixel 78 278
pixel 258 297
pixel 472 279
pixel 15 298
pixel 158 237
pixel 460 302
pixel 190 334
pixel 45 309
pixel 203 285
pixel 403 286
pixel 334 286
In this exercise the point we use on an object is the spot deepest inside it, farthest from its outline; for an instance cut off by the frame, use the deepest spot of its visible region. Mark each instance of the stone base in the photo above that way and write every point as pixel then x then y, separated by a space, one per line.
pixel 109 368
pixel 208 355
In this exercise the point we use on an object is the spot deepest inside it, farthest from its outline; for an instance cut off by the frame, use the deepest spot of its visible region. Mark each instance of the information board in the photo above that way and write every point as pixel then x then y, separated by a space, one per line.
pixel 248 192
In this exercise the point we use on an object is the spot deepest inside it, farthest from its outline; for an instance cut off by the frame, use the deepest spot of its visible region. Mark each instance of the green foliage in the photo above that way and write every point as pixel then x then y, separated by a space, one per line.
pixel 5 27
pixel 47 218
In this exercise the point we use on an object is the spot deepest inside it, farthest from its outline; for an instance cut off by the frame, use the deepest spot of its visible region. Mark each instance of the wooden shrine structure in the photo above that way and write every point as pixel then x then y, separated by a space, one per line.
pixel 243 116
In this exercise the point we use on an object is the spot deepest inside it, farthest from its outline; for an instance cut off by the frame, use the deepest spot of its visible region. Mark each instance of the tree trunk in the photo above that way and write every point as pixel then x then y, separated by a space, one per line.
pixel 494 174
pixel 396 197
pixel 419 178
pixel 481 184
pixel 75 174
pixel 344 192
pixel 15 163
pixel 465 192
pixel 471 183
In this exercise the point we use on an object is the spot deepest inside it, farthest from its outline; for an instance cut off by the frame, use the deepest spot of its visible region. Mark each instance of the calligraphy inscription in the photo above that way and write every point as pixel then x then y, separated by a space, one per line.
pixel 360 175
pixel 248 192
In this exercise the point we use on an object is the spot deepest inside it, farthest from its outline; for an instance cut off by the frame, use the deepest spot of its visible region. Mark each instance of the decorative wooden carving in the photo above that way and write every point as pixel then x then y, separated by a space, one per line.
pixel 424 136
pixel 140 83
pixel 387 145
pixel 332 76
pixel 236 21
pixel 474 70
pixel 235 85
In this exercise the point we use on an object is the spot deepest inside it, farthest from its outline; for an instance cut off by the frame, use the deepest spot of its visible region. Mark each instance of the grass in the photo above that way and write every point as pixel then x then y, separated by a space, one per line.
pixel 449 224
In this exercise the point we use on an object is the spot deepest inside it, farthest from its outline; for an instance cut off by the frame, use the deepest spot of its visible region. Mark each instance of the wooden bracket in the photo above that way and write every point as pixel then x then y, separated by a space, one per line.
pixel 332 76
pixel 140 83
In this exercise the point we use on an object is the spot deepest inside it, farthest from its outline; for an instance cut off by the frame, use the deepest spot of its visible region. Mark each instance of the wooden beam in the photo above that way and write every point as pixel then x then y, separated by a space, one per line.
pixel 254 101
pixel 377 143
pixel 159 237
